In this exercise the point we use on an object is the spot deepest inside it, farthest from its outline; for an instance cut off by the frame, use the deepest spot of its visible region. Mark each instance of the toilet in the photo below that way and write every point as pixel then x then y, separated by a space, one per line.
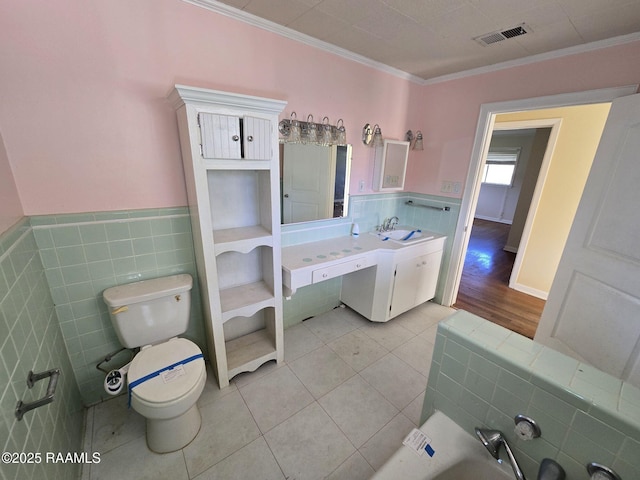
pixel 166 378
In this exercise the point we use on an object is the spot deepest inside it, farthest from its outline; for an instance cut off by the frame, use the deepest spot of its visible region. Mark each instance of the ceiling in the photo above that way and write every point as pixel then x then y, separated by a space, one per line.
pixel 429 39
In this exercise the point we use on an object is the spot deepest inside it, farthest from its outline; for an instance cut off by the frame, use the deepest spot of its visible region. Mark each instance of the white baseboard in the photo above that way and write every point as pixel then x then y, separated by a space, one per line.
pixel 534 292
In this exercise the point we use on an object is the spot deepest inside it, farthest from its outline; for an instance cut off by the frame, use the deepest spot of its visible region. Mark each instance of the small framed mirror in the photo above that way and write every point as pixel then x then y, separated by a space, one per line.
pixel 390 165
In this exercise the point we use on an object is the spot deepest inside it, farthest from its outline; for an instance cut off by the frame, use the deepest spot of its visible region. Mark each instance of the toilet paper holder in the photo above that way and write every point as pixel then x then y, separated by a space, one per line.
pixel 32 378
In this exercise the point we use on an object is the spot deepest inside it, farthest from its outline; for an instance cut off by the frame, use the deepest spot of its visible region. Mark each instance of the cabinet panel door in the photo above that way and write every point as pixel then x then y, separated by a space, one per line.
pixel 220 136
pixel 404 286
pixel 429 269
pixel 257 138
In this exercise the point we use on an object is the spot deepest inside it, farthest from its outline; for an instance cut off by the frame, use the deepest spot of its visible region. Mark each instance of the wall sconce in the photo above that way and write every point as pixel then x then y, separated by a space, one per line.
pixel 418 145
pixel 377 137
pixel 409 136
pixel 372 136
pixel 414 140
pixel 367 134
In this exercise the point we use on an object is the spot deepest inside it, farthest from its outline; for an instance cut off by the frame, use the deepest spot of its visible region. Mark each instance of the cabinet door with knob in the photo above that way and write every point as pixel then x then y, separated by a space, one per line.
pixel 231 137
pixel 415 282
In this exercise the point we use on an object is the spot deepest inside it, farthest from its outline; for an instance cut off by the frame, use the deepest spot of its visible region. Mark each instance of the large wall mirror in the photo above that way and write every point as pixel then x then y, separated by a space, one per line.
pixel 314 181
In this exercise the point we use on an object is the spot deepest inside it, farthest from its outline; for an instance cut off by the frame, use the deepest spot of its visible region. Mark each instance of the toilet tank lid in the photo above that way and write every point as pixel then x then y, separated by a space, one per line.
pixel 146 290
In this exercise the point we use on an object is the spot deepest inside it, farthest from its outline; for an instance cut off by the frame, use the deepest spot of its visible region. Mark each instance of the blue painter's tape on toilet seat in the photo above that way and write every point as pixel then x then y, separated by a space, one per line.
pixel 151 375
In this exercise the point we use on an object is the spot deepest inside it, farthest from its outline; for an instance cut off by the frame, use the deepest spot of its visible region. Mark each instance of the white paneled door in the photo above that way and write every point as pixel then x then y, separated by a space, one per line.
pixel 593 309
pixel 308 179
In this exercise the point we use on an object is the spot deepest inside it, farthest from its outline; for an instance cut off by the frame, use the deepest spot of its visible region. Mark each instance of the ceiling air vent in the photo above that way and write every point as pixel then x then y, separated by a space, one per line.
pixel 500 35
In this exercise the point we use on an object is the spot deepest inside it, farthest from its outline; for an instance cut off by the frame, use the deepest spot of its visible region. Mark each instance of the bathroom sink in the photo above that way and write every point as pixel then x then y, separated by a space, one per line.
pixel 457 455
pixel 403 236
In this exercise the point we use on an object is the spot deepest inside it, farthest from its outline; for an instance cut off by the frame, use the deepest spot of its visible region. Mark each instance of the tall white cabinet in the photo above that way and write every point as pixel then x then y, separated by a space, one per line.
pixel 230 154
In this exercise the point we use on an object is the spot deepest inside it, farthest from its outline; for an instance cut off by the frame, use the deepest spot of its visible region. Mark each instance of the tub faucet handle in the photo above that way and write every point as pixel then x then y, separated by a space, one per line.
pixel 598 471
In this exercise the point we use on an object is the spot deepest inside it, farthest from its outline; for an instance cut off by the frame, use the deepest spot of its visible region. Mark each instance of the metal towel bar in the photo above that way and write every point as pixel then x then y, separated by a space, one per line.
pixel 53 375
pixel 442 209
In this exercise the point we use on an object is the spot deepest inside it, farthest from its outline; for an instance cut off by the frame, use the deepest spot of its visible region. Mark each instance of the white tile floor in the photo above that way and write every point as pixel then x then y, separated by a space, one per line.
pixel 346 395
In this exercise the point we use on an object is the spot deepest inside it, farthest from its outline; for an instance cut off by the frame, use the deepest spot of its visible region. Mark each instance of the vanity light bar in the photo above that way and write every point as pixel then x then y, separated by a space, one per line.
pixel 293 130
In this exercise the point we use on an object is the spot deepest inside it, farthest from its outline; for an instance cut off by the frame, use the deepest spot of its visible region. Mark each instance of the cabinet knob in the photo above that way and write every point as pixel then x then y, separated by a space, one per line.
pixel 324 275
pixel 286 195
pixel 250 138
pixel 235 138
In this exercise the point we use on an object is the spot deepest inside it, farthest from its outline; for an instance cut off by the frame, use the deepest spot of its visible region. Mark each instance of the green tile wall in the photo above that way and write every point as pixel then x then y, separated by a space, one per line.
pixel 86 253
pixel 368 211
pixel 31 339
pixel 311 300
pixel 83 254
pixel 483 375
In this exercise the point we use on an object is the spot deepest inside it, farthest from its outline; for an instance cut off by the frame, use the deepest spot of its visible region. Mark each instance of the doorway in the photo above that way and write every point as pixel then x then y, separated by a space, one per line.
pixel 554 185
pixel 484 130
pixel 484 286
pixel 515 158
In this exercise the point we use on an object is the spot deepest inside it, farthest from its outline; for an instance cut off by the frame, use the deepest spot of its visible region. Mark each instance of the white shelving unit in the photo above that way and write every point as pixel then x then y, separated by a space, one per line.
pixel 230 156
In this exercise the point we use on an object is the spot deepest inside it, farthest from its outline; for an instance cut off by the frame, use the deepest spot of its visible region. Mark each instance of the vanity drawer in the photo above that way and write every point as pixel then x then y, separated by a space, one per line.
pixel 339 269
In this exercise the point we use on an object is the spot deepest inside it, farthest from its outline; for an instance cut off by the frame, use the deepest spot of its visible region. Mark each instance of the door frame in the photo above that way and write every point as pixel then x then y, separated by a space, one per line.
pixel 484 130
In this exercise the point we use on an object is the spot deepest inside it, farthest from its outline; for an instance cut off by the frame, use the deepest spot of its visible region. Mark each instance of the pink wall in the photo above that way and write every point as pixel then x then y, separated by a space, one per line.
pixel 451 108
pixel 83 90
pixel 87 127
pixel 10 206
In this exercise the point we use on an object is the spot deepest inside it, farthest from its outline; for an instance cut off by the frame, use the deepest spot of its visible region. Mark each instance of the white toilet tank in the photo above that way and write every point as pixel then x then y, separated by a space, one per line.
pixel 150 311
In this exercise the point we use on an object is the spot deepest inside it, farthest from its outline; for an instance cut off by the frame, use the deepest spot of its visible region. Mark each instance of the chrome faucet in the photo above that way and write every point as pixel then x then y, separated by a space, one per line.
pixel 492 439
pixel 389 224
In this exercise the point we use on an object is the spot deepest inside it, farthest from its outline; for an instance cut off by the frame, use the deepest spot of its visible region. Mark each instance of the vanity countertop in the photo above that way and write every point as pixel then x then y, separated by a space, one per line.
pixel 299 262
pixel 323 251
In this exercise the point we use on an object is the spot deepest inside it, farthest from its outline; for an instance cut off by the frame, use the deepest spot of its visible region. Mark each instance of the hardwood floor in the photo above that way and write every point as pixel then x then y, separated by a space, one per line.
pixel 484 289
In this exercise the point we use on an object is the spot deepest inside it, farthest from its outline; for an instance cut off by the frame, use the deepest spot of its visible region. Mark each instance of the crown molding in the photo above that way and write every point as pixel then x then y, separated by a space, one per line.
pixel 540 57
pixel 287 32
pixel 278 29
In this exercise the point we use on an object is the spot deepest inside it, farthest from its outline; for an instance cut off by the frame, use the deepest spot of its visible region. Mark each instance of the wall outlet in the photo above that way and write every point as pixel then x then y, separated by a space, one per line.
pixel 451 187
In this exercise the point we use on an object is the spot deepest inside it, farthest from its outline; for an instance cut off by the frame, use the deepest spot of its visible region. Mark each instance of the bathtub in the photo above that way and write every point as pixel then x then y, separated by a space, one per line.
pixel 457 455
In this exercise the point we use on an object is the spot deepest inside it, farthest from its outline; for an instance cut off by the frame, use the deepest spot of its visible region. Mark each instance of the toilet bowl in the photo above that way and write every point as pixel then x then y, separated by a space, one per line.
pixel 167 397
pixel 165 379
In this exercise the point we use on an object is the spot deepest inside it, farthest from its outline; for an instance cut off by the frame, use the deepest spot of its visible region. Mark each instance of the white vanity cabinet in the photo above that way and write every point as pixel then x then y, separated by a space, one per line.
pixel 230 158
pixel 403 278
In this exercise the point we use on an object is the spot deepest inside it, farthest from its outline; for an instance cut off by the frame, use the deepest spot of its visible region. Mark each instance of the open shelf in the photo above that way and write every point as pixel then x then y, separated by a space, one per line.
pixel 240 198
pixel 237 300
pixel 247 353
pixel 241 239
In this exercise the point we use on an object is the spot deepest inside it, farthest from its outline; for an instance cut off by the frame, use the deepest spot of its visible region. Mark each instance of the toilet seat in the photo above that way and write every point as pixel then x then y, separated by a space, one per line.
pixel 170 385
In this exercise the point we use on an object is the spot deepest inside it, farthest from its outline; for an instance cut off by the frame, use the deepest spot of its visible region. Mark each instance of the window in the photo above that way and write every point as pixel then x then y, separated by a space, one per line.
pixel 500 166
